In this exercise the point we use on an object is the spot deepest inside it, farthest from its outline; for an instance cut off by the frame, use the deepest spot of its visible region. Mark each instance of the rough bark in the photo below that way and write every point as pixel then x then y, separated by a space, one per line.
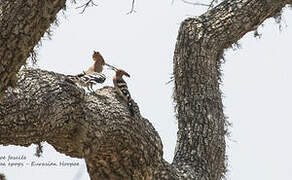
pixel 48 107
pixel 199 49
pixel 2 177
pixel 22 24
pixel 99 128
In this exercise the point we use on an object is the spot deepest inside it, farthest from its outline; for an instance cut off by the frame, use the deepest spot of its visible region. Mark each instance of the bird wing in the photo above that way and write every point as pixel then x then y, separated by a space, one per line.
pixel 97 77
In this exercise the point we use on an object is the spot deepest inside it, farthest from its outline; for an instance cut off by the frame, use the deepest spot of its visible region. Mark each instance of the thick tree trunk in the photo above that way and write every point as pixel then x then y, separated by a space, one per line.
pixel 22 24
pixel 99 128
pixel 199 49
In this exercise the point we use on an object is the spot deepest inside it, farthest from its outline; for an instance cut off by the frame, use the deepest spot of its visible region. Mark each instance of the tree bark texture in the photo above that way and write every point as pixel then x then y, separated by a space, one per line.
pixel 99 128
pixel 199 49
pixel 115 145
pixel 22 24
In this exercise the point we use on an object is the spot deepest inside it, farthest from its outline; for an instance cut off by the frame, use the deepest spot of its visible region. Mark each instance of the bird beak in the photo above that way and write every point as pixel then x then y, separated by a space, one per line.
pixel 111 67
pixel 128 75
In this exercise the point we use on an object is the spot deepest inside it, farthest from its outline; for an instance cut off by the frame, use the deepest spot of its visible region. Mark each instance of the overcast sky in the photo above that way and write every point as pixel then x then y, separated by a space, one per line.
pixel 256 83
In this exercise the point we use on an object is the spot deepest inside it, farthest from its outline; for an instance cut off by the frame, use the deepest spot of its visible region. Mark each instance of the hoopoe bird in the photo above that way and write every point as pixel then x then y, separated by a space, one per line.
pixel 88 80
pixel 98 64
pixel 93 75
pixel 122 88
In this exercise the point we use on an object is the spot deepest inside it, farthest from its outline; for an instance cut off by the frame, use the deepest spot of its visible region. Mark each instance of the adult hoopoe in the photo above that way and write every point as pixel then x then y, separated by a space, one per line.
pixel 122 88
pixel 93 75
pixel 88 80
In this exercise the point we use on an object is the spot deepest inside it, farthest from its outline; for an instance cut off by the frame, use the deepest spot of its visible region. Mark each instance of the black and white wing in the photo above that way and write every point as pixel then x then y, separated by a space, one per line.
pixel 96 78
pixel 86 80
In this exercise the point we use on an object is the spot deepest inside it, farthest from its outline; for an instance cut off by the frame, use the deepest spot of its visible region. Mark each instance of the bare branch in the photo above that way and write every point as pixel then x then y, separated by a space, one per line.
pixel 198 98
pixel 211 5
pixel 97 127
pixel 86 5
pixel 132 8
pixel 194 3
pixel 39 149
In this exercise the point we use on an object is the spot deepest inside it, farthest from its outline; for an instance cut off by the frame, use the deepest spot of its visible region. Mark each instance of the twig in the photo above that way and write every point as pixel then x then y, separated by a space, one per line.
pixel 212 4
pixel 84 6
pixel 171 79
pixel 132 8
pixel 194 3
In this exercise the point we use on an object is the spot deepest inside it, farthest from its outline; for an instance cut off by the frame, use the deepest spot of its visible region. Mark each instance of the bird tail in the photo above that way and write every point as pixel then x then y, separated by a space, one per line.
pixel 73 78
pixel 123 89
pixel 81 74
pixel 131 106
pixel 77 76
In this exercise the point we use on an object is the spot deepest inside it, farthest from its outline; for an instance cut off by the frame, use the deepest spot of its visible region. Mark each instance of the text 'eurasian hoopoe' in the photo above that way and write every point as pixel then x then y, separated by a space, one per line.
pixel 122 88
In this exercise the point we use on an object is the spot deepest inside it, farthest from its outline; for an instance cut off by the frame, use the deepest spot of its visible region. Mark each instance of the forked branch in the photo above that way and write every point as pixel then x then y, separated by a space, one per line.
pixel 86 5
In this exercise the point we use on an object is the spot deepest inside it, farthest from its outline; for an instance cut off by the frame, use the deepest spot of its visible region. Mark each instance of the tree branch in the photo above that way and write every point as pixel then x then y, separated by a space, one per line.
pixel 132 10
pixel 86 5
pixel 194 3
pixel 99 128
pixel 22 24
pixel 211 5
pixel 200 147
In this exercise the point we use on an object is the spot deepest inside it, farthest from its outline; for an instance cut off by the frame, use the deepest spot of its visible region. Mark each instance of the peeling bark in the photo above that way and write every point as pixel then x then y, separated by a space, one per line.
pixel 99 128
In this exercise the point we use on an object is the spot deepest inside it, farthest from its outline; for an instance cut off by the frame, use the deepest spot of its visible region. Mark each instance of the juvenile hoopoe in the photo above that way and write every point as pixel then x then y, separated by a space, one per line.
pixel 88 80
pixel 98 64
pixel 122 88
pixel 93 75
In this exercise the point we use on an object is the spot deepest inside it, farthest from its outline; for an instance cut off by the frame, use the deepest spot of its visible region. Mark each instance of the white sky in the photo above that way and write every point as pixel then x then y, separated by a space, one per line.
pixel 256 83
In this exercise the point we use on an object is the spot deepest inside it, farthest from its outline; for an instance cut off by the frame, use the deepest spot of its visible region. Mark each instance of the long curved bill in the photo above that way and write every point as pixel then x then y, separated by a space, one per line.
pixel 112 67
